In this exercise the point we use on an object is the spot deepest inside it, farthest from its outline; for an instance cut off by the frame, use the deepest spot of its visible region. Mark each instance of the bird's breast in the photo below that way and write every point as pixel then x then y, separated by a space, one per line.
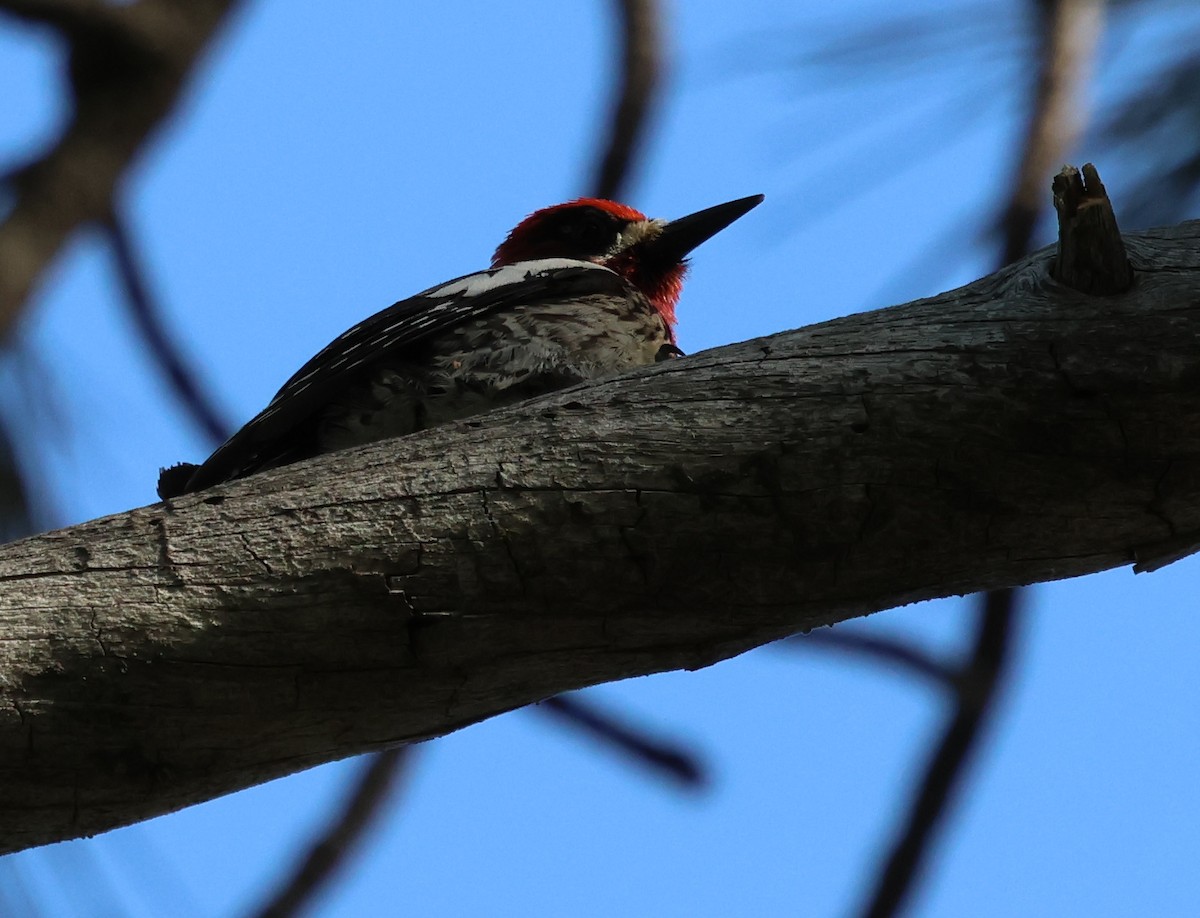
pixel 493 361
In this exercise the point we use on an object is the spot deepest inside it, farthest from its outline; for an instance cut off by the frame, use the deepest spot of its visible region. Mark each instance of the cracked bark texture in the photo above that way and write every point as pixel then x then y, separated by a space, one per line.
pixel 1007 432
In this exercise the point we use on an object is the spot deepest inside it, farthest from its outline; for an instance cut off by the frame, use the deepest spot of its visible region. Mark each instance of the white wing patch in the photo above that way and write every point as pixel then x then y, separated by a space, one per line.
pixel 452 295
pixel 475 284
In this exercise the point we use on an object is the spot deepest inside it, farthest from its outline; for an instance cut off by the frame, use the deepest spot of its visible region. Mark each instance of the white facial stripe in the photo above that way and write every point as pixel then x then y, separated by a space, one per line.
pixel 635 232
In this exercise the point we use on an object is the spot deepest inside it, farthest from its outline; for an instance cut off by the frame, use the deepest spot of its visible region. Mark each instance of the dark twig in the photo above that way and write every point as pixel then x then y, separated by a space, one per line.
pixel 669 761
pixel 147 318
pixel 333 848
pixel 640 75
pixel 982 679
pixel 886 650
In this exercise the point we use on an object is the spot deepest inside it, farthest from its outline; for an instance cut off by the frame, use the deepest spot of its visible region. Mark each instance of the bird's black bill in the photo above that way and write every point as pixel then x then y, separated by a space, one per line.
pixel 681 236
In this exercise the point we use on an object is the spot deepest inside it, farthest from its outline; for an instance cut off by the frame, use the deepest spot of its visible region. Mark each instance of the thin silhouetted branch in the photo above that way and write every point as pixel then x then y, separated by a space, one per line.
pixel 641 749
pixel 333 848
pixel 640 75
pixel 892 651
pixel 982 680
pixel 147 319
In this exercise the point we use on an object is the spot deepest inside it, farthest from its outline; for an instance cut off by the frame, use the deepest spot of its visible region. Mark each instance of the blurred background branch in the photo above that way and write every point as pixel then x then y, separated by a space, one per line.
pixel 147 318
pixel 129 64
pixel 980 683
pixel 331 851
pixel 639 74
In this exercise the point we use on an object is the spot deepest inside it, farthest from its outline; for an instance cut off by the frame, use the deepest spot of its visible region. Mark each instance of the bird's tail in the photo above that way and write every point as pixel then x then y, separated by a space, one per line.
pixel 173 481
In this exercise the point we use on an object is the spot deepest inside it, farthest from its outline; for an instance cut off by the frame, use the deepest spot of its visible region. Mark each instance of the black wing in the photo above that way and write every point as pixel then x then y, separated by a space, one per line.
pixel 386 334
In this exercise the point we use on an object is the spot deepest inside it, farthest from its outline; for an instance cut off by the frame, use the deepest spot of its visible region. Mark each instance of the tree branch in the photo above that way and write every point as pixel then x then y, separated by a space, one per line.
pixel 1004 433
pixel 67 15
pixel 1091 256
pixel 640 74
pixel 637 746
pixel 981 679
pixel 129 67
pixel 336 845
pixel 147 319
pixel 1068 35
pixel 893 653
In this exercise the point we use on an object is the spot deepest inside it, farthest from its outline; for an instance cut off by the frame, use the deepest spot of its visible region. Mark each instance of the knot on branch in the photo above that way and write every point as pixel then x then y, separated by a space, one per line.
pixel 1091 256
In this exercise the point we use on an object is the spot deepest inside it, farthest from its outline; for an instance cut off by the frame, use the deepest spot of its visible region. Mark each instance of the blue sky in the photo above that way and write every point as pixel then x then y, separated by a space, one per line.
pixel 334 158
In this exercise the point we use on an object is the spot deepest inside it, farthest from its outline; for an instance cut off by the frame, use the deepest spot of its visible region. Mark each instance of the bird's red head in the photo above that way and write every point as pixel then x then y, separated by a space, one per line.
pixel 650 254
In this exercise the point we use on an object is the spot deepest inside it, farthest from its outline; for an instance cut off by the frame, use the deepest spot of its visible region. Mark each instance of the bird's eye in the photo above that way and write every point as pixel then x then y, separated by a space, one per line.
pixel 589 231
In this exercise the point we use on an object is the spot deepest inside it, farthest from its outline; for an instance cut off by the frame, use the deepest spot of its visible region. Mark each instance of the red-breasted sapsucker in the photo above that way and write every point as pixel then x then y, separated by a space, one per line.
pixel 577 291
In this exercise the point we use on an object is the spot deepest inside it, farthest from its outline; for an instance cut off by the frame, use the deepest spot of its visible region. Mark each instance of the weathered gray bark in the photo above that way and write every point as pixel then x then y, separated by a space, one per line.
pixel 1008 432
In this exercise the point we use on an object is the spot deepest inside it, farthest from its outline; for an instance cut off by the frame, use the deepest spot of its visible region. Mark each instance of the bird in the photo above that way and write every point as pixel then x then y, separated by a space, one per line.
pixel 575 292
